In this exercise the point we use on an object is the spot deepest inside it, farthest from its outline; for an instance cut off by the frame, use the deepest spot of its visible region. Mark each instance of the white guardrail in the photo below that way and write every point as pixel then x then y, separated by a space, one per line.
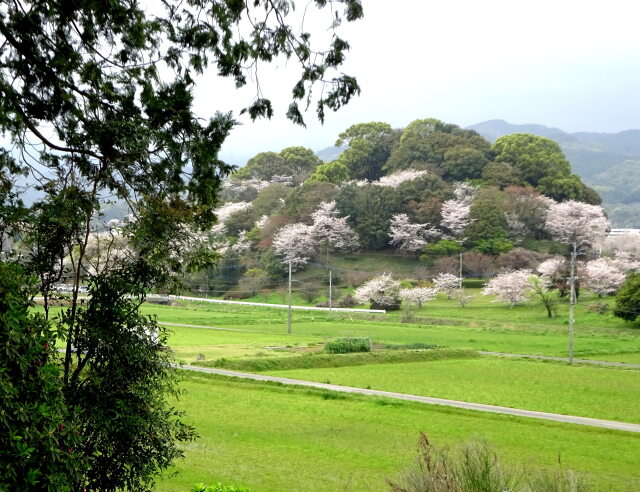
pixel 259 304
pixel 264 304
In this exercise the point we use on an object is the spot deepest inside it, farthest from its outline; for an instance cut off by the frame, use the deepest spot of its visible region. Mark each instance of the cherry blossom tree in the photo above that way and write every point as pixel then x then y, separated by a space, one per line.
pixel 395 179
pixel 446 282
pixel 407 236
pixel 510 286
pixel 332 231
pixel 242 244
pixel 552 270
pixel 625 249
pixel 518 230
pixel 105 250
pixel 455 213
pixel 418 295
pixel 455 216
pixel 626 261
pixel 262 221
pixel 603 276
pixel 383 292
pixel 229 208
pixel 464 191
pixel 295 243
pixel 576 222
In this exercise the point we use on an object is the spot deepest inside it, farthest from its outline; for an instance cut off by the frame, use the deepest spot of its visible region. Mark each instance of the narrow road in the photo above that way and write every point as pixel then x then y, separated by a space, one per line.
pixel 563 359
pixel 567 419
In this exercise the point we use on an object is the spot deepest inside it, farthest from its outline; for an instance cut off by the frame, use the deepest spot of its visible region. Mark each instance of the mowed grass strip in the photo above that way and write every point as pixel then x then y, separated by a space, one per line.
pixel 275 438
pixel 587 391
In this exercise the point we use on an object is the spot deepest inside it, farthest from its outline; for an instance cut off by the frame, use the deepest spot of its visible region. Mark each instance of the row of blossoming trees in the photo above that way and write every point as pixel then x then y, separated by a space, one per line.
pixel 430 191
pixel 577 225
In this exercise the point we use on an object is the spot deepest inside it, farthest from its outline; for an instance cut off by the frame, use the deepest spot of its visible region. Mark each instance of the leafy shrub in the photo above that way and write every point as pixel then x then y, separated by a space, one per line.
pixel 38 433
pixel 628 299
pixel 348 345
pixel 598 307
pixel 348 301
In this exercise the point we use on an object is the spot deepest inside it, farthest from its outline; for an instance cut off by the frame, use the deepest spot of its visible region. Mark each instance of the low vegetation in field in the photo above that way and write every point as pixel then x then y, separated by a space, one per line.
pixel 474 466
pixel 347 345
pixel 320 360
pixel 217 487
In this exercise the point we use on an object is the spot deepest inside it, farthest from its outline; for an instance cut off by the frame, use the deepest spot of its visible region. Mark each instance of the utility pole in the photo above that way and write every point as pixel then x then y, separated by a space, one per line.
pixel 330 289
pixel 572 299
pixel 289 314
pixel 460 276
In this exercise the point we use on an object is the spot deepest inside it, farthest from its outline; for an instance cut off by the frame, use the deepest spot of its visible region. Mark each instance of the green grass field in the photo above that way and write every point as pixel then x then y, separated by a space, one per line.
pixel 483 326
pixel 587 391
pixel 274 438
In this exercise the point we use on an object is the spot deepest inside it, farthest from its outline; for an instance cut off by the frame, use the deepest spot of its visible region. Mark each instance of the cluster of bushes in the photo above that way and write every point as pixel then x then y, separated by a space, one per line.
pixel 348 345
pixel 475 467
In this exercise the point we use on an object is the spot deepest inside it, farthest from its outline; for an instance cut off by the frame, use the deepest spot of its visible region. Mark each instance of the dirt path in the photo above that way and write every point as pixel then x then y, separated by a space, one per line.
pixel 567 419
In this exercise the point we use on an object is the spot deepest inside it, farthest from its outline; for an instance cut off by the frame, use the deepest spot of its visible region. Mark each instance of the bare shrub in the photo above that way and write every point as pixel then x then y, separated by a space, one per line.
pixel 478 264
pixel 519 258
pixel 447 264
pixel 354 279
pixel 475 467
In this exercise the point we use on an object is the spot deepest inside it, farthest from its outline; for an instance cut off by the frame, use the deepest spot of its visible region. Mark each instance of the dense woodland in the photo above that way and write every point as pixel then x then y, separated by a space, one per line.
pixel 428 191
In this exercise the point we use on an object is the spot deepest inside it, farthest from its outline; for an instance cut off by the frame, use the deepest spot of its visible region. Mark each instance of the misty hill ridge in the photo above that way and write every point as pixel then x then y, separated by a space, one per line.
pixel 626 143
pixel 608 162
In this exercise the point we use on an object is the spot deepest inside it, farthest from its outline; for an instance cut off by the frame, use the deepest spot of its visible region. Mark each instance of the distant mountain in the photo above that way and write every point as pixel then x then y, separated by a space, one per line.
pixel 330 153
pixel 493 129
pixel 608 162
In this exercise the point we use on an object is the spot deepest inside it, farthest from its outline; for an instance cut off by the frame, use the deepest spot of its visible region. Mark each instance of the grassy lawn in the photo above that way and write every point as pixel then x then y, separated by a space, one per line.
pixel 273 438
pixel 588 391
pixel 487 326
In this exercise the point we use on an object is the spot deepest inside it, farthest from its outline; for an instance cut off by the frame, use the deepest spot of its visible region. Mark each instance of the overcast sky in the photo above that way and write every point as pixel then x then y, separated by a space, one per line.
pixel 564 63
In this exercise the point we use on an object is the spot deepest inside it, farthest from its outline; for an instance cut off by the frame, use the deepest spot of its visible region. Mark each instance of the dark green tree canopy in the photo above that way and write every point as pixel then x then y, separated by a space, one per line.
pixel 424 143
pixel 330 172
pixel 487 216
pixel 370 145
pixel 97 98
pixel 500 175
pixel 294 162
pixel 532 157
pixel 462 163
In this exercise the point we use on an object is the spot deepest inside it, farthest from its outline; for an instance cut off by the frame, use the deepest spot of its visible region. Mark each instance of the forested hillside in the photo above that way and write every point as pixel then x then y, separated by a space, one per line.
pixel 428 192
pixel 608 162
